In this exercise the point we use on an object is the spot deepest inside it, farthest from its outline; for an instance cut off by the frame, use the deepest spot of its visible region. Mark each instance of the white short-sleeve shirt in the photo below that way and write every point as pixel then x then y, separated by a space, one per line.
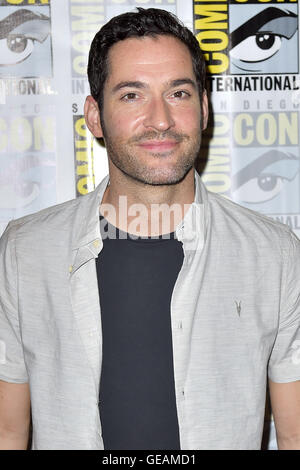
pixel 235 314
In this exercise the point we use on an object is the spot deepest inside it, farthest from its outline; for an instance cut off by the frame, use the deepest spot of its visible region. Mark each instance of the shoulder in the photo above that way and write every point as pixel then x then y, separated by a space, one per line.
pixel 51 216
pixel 238 221
pixel 50 222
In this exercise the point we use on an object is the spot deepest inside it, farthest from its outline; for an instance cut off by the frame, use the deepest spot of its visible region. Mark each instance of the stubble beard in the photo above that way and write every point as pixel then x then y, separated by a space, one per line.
pixel 125 157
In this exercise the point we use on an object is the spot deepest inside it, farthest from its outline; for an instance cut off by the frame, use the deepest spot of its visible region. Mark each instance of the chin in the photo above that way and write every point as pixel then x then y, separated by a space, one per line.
pixel 161 178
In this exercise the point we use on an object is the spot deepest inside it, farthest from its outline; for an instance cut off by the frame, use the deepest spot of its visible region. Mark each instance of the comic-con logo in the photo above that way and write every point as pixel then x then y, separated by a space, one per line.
pixel 254 159
pixel 248 36
pixel 263 40
pixel 25 41
pixel 27 164
pixel 84 157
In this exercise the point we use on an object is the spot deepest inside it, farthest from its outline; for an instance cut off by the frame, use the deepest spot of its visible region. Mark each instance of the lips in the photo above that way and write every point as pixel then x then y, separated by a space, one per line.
pixel 159 146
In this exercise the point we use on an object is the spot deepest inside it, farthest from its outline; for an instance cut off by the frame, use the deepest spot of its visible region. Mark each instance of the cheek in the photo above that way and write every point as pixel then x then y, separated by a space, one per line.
pixel 189 120
pixel 124 125
pixel 187 112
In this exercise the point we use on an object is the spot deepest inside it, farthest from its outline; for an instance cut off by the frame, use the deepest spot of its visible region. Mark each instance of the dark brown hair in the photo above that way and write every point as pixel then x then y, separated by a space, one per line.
pixel 143 22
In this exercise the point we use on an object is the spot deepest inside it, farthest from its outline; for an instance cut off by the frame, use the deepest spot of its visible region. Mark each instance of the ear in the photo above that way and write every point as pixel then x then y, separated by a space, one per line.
pixel 204 110
pixel 92 116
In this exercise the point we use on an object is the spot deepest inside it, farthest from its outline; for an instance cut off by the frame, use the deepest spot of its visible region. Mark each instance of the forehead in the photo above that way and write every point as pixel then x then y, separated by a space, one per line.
pixel 160 57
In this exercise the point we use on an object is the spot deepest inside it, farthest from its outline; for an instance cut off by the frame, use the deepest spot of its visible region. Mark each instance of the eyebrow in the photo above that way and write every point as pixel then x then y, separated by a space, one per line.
pixel 255 167
pixel 143 85
pixel 183 81
pixel 128 84
pixel 18 18
pixel 254 24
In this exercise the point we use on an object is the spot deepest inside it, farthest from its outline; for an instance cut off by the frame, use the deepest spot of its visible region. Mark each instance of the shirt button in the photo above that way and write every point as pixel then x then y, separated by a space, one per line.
pixel 70 269
pixel 180 325
pixel 96 243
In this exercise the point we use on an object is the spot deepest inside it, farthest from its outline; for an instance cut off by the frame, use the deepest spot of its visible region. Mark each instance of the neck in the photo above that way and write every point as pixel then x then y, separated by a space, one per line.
pixel 146 210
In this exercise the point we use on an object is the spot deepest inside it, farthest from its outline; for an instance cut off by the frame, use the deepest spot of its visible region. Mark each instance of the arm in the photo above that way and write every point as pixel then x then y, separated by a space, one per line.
pixel 285 404
pixel 14 388
pixel 14 415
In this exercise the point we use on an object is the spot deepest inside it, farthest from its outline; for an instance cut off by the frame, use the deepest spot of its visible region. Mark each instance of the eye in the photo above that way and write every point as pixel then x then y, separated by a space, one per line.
pixel 20 195
pixel 181 94
pixel 129 97
pixel 25 181
pixel 264 178
pixel 17 44
pixel 257 48
pixel 262 36
pixel 260 189
pixel 15 49
pixel 18 33
pixel 26 189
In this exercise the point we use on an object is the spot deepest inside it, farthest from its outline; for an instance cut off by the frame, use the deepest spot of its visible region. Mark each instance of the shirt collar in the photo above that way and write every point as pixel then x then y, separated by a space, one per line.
pixel 87 242
pixel 191 230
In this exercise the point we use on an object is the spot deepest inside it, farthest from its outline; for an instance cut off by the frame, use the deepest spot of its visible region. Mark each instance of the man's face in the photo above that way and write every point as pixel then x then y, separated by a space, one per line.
pixel 151 116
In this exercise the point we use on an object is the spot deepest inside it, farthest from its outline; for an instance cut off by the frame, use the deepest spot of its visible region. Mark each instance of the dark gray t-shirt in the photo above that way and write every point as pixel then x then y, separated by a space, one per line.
pixel 137 403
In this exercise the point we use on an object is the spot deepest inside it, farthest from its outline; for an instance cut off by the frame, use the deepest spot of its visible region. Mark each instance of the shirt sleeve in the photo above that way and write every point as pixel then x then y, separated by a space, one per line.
pixel 284 364
pixel 12 365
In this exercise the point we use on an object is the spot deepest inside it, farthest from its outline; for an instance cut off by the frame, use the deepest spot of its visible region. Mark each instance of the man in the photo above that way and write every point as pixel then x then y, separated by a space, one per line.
pixel 199 297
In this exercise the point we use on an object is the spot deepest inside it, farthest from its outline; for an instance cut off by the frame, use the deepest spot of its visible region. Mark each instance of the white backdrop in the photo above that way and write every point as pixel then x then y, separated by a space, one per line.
pixel 250 151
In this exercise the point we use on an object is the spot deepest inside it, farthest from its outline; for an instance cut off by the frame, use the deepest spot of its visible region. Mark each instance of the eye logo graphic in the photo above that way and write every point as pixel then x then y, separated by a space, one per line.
pixel 25 43
pixel 265 42
pixel 270 176
pixel 27 183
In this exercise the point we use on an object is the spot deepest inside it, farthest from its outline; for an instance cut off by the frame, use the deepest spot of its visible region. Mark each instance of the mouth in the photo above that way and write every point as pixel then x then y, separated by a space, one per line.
pixel 159 145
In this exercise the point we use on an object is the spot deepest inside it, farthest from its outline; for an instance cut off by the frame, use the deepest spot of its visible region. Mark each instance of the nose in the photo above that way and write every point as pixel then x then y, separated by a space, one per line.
pixel 158 115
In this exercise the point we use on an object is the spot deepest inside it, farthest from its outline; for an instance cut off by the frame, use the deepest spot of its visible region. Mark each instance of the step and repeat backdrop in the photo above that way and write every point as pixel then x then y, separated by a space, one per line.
pixel 250 149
